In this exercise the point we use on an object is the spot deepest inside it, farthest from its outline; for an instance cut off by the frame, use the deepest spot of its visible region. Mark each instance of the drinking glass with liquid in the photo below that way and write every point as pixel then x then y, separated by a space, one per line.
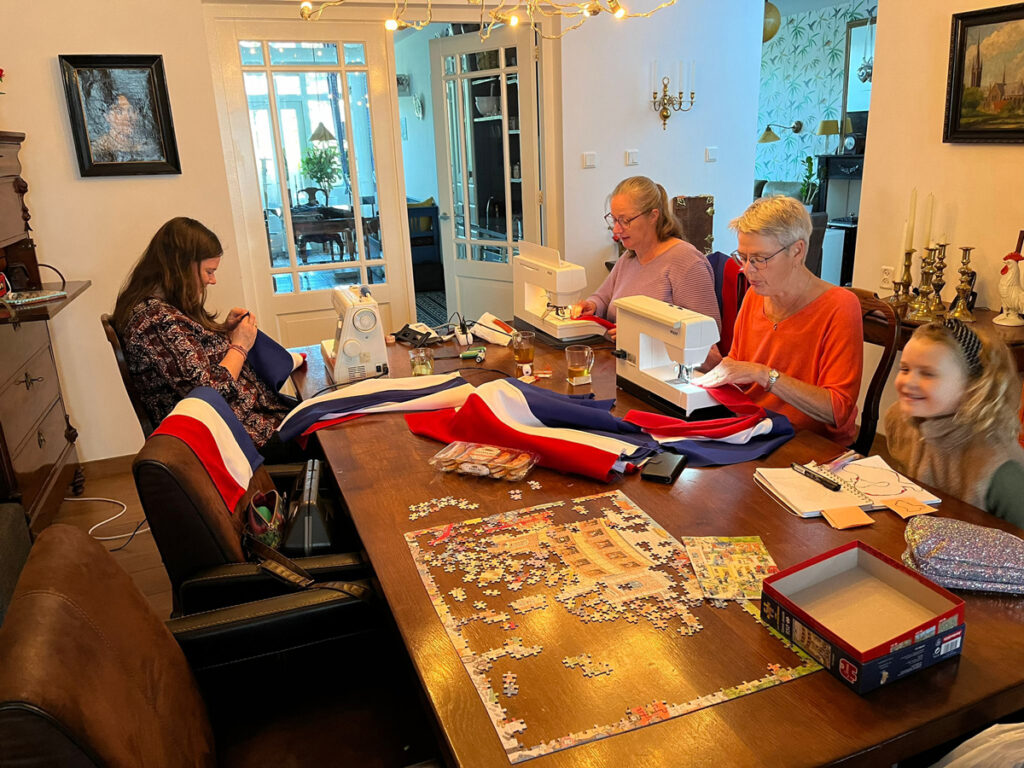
pixel 421 361
pixel 579 362
pixel 522 351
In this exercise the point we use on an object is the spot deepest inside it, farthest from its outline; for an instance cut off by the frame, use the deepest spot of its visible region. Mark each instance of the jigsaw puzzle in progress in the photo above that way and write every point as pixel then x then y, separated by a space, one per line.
pixel 580 619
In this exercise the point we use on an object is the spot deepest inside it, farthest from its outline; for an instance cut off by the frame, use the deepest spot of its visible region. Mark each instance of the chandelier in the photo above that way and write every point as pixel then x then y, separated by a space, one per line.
pixel 497 12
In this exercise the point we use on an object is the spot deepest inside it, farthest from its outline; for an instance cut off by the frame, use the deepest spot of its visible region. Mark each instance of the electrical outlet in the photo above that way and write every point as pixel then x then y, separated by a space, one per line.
pixel 887 275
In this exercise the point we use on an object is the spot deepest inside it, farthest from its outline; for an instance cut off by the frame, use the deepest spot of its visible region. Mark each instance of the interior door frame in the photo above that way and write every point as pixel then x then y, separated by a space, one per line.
pixel 247 210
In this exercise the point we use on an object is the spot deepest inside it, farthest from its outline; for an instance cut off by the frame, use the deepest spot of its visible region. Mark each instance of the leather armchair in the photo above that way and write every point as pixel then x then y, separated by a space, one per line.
pixel 200 540
pixel 91 677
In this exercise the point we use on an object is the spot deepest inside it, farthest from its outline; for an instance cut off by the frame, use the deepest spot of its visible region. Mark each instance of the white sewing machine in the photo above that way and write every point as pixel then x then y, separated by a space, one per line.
pixel 545 289
pixel 357 350
pixel 663 344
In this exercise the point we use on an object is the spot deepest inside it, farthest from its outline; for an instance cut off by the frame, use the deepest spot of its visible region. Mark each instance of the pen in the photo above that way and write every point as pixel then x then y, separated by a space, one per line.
pixel 828 482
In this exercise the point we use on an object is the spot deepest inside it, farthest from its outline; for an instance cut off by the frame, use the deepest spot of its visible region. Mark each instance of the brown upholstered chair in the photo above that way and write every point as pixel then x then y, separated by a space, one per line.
pixel 875 310
pixel 200 539
pixel 91 677
pixel 122 366
pixel 696 214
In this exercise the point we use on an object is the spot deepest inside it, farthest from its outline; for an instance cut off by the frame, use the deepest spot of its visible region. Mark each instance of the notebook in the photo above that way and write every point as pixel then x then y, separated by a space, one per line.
pixel 864 483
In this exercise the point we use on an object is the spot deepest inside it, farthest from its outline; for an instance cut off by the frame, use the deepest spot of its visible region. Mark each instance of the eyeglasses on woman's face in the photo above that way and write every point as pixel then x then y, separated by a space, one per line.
pixel 623 223
pixel 755 260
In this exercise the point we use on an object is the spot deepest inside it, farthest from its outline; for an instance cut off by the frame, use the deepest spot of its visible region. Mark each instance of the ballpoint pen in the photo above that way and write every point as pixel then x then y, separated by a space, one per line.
pixel 828 482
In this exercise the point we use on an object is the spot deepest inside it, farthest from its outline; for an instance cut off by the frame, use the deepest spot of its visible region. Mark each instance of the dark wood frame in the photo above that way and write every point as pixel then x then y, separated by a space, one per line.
pixel 160 115
pixel 859 118
pixel 961 26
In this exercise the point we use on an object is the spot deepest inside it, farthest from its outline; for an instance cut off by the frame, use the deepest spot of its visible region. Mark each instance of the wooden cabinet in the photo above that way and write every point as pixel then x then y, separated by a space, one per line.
pixel 37 441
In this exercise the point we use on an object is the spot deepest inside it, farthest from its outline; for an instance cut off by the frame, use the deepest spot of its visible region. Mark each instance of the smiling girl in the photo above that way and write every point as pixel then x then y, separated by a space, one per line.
pixel 955 424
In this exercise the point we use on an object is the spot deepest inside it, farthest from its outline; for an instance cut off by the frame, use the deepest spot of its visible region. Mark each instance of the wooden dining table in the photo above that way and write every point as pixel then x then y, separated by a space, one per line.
pixel 382 469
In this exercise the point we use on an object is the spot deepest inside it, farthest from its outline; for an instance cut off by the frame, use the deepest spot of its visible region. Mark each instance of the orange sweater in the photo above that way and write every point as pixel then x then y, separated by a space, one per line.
pixel 822 344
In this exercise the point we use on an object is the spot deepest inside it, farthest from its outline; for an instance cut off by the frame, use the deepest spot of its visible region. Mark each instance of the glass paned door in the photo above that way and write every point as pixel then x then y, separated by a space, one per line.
pixel 485 109
pixel 316 115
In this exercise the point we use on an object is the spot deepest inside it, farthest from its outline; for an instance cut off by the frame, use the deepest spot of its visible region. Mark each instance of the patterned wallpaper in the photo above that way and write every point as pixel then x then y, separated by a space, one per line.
pixel 801 79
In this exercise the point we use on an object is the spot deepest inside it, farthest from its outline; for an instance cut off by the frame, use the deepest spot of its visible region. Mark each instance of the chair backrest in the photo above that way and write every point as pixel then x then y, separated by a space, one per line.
pixel 311 195
pixel 696 214
pixel 192 527
pixel 15 543
pixel 122 366
pixel 813 259
pixel 90 676
pixel 878 311
pixel 730 287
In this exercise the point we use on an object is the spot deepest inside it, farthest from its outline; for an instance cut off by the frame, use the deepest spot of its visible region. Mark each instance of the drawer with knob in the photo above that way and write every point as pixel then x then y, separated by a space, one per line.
pixel 40 449
pixel 28 394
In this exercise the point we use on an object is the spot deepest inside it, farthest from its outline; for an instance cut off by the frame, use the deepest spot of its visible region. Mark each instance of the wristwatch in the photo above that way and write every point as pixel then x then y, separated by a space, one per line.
pixel 773 376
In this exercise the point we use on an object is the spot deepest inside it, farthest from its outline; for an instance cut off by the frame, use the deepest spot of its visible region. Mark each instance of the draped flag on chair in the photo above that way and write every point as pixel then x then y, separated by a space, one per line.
pixel 206 424
pixel 415 393
pixel 272 362
pixel 570 434
pixel 752 433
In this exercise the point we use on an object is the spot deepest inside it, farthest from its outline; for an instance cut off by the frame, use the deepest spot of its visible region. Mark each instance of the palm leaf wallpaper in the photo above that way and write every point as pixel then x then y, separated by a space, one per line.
pixel 802 79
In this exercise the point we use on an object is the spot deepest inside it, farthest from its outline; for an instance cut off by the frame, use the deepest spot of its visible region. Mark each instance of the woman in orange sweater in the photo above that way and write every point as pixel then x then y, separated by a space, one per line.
pixel 798 347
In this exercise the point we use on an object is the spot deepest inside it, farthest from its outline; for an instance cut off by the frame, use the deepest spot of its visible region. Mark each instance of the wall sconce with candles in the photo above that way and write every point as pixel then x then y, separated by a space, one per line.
pixel 665 103
pixel 769 135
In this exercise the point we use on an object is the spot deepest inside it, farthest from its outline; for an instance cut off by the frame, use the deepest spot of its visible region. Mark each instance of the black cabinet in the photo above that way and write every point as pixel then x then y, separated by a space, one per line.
pixel 836 168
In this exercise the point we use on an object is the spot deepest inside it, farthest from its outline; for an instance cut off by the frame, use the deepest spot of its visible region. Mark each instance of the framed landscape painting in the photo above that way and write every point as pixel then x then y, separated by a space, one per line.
pixel 120 115
pixel 985 93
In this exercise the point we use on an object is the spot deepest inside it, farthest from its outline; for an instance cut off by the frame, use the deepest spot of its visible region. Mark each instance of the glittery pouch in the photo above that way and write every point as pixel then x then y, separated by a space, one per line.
pixel 265 518
pixel 965 556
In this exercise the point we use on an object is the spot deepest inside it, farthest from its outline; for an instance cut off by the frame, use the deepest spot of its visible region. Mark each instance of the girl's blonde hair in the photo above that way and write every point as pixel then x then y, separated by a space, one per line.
pixel 648 195
pixel 990 403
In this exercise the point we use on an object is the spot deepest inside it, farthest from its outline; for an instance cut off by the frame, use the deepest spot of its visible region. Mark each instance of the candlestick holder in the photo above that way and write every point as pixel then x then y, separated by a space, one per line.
pixel 901 288
pixel 919 308
pixel 962 311
pixel 937 305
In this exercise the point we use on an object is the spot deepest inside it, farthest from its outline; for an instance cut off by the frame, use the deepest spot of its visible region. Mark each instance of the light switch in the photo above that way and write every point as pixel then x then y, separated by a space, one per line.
pixel 632 156
pixel 710 154
pixel 590 159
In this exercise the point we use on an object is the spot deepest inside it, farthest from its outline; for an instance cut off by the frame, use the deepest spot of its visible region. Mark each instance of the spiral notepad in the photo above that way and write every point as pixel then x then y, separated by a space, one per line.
pixel 863 484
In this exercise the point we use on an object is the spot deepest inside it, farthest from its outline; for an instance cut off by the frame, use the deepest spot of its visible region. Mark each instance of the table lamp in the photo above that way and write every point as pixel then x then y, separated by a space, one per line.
pixel 828 128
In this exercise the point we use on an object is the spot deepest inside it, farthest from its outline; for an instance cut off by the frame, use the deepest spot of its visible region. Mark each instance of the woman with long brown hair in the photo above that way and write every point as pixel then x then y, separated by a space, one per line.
pixel 173 344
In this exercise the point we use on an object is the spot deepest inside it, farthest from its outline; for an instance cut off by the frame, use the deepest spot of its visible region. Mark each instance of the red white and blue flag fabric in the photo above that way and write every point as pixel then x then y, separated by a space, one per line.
pixel 752 433
pixel 569 433
pixel 272 362
pixel 206 424
pixel 414 393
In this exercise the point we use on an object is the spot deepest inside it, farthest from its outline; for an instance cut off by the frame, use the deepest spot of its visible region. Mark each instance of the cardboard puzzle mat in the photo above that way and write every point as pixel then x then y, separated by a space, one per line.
pixel 581 619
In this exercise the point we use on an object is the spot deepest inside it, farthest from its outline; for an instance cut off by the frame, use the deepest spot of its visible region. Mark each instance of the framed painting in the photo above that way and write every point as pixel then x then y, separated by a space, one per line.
pixel 985 93
pixel 120 115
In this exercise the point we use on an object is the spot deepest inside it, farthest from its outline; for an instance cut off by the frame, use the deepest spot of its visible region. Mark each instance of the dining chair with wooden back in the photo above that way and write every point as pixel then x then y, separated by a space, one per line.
pixel 874 310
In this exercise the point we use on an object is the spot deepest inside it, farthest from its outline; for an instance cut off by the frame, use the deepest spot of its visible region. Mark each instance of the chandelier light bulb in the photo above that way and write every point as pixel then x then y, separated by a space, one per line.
pixel 391 25
pixel 617 10
pixel 513 20
pixel 305 10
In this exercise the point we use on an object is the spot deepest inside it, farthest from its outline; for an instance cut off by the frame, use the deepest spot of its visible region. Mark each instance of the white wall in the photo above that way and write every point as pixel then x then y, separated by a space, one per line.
pixel 606 109
pixel 412 57
pixel 974 184
pixel 94 229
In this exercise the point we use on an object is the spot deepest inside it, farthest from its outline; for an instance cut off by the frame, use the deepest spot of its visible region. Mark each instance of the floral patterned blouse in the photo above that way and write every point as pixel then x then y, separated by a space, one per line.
pixel 169 355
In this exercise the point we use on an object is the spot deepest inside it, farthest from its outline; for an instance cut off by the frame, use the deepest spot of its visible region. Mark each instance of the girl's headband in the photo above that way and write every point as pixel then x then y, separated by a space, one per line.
pixel 970 344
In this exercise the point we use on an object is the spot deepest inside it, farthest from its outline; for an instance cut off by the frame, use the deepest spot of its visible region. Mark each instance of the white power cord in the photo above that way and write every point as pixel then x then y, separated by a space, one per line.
pixel 124 508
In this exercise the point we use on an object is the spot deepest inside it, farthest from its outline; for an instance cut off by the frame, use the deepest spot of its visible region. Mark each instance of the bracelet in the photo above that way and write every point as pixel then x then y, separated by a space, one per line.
pixel 240 350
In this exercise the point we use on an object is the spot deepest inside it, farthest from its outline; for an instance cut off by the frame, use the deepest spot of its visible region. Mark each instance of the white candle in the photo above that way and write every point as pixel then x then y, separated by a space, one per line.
pixel 929 203
pixel 908 232
pixel 679 75
pixel 693 69
pixel 899 257
pixel 654 76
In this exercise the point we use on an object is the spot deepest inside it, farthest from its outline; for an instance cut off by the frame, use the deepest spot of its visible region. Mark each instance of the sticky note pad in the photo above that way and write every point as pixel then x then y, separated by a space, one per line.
pixel 907 507
pixel 847 517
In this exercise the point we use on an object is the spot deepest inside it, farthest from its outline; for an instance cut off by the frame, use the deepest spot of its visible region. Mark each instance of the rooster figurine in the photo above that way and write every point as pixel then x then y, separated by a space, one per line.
pixel 1011 292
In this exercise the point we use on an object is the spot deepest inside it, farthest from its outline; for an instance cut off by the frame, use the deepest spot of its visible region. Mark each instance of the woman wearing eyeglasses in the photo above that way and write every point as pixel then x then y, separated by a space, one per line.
pixel 657 262
pixel 798 343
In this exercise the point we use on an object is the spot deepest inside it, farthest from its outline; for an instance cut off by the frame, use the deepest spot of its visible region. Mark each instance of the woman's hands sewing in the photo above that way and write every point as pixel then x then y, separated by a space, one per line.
pixel 241 327
pixel 731 371
pixel 585 307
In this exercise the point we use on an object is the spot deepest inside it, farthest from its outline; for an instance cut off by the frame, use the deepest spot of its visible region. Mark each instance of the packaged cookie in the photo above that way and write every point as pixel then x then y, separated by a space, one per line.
pixel 484 460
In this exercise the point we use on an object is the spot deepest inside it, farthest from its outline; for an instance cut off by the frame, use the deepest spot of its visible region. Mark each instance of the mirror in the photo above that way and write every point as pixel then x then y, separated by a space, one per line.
pixel 860 56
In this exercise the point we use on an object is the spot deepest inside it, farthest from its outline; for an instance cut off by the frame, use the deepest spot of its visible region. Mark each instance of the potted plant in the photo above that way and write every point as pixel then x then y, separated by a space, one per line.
pixel 323 166
pixel 808 189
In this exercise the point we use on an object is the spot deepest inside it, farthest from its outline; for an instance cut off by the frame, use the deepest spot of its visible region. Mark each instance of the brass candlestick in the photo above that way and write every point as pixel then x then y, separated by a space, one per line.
pixel 919 308
pixel 937 305
pixel 962 311
pixel 901 287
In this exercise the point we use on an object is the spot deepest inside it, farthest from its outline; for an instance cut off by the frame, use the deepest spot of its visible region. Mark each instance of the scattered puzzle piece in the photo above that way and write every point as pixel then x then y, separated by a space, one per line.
pixel 509 684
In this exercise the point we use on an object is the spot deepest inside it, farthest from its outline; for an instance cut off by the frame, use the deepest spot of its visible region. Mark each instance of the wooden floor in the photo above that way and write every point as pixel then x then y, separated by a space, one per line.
pixel 112 479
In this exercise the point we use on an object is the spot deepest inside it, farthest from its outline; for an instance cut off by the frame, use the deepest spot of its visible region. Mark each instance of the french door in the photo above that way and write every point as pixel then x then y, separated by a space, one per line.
pixel 485 124
pixel 312 122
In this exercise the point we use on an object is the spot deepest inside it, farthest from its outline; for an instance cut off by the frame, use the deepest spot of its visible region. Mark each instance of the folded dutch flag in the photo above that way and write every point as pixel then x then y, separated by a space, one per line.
pixel 570 434
pixel 414 393
pixel 206 424
pixel 272 362
pixel 752 433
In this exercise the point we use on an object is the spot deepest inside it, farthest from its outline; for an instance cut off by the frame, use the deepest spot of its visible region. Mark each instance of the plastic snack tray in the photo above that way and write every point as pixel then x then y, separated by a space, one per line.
pixel 484 460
